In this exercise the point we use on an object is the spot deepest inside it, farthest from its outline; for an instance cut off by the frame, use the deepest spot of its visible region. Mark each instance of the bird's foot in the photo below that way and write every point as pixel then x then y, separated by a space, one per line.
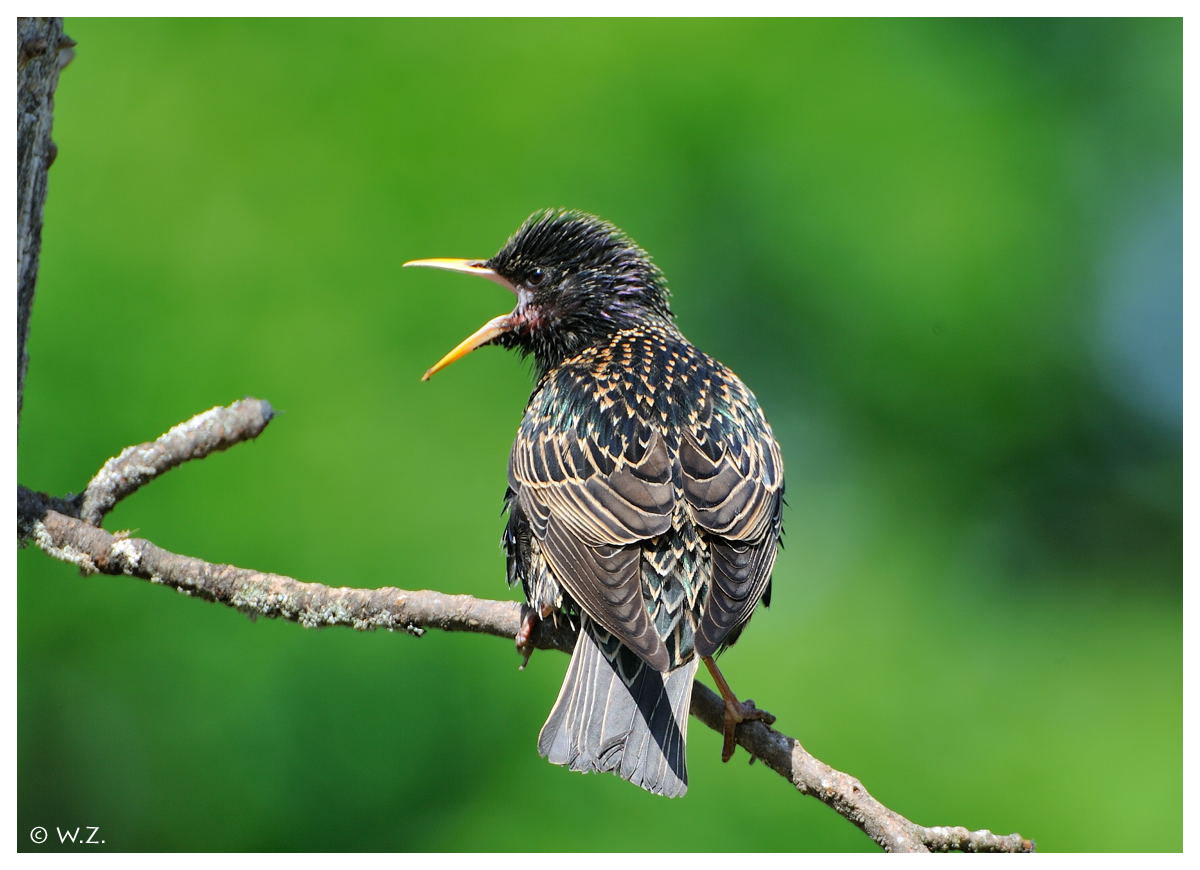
pixel 737 712
pixel 524 638
pixel 529 623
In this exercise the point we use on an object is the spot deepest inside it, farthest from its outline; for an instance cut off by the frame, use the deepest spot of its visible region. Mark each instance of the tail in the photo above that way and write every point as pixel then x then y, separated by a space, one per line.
pixel 617 714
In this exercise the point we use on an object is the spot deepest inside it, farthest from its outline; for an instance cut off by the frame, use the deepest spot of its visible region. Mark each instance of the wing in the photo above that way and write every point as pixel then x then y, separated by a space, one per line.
pixel 592 487
pixel 733 483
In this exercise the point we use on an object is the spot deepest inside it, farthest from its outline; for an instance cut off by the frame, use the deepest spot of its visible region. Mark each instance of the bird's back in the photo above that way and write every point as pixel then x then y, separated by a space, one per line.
pixel 701 510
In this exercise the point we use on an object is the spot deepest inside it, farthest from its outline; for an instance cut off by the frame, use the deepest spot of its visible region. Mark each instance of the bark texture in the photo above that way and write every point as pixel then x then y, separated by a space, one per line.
pixel 42 51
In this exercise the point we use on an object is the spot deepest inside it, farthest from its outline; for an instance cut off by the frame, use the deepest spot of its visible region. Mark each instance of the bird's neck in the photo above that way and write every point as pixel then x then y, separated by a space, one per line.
pixel 552 351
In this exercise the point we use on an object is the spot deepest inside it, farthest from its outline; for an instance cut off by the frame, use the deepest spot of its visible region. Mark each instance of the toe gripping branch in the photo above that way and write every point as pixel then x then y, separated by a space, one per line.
pixel 524 638
pixel 736 712
pixel 530 619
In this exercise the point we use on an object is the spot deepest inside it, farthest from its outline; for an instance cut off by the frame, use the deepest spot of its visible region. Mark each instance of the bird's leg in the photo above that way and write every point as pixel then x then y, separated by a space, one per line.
pixel 529 623
pixel 736 712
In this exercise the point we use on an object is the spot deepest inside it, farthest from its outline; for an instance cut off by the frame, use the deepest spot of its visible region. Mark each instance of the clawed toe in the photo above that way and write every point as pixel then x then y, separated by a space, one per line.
pixel 524 636
pixel 750 712
pixel 735 714
pixel 530 619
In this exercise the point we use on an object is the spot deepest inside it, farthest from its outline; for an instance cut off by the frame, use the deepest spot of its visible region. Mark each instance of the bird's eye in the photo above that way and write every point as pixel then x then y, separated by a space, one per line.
pixel 537 277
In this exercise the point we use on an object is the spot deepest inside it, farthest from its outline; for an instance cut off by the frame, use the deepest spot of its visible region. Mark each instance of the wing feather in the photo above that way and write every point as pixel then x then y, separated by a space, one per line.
pixel 591 513
pixel 605 580
pixel 733 484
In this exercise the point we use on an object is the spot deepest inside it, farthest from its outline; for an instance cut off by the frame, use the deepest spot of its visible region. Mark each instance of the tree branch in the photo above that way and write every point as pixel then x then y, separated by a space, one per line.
pixel 42 51
pixel 61 529
pixel 215 429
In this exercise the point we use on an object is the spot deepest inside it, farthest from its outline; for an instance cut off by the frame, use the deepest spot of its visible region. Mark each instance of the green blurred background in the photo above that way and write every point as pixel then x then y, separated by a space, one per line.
pixel 945 254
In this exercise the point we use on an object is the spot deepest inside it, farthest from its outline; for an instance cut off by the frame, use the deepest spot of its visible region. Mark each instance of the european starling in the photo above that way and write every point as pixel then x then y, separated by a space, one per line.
pixel 644 494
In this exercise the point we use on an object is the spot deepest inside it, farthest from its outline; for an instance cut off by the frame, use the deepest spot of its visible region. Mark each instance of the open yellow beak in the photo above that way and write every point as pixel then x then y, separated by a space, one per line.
pixel 495 327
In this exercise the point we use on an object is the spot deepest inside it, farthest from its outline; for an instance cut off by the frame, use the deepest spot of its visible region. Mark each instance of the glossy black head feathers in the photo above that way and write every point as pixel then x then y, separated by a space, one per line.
pixel 557 246
pixel 582 279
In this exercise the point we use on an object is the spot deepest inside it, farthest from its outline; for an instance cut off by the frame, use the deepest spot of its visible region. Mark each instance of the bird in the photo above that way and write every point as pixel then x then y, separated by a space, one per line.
pixel 644 500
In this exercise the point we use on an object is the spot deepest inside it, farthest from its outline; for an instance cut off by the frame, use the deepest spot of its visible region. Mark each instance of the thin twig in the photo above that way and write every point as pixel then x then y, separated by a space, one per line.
pixel 314 605
pixel 54 525
pixel 844 793
pixel 215 429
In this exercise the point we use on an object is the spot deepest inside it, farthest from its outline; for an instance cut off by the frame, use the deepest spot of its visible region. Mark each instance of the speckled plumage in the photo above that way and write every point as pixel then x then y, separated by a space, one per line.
pixel 647 449
pixel 644 496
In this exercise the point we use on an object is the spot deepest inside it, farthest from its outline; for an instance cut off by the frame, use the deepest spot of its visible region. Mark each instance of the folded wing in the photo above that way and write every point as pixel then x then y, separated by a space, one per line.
pixel 733 483
pixel 591 500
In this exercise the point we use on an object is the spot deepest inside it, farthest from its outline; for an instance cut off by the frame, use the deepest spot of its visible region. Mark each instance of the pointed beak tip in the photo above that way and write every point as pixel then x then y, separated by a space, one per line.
pixel 494 328
pixel 451 264
pixel 479 268
pixel 486 333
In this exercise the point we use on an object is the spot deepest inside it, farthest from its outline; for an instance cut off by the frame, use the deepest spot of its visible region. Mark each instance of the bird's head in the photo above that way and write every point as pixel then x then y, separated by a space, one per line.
pixel 577 280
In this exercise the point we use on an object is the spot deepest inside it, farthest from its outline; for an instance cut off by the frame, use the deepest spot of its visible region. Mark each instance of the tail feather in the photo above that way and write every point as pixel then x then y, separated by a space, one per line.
pixel 628 721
